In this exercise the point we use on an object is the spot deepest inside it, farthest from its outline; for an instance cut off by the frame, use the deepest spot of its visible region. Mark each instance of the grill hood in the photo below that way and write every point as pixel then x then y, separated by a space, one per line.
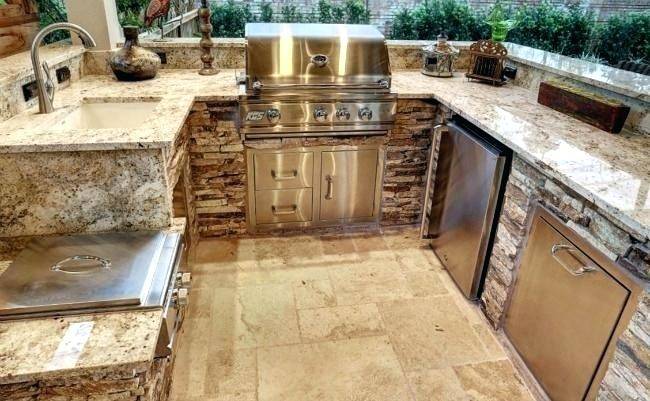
pixel 304 56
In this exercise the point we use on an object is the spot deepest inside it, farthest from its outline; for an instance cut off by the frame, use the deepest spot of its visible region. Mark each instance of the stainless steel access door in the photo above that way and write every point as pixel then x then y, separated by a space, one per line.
pixel 348 183
pixel 464 204
pixel 564 311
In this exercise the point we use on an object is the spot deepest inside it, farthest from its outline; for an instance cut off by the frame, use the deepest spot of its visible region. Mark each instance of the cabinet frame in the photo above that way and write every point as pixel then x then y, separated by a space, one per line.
pixel 251 219
pixel 625 278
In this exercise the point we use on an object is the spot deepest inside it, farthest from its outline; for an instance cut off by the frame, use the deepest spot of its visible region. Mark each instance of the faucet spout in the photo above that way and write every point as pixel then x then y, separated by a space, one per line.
pixel 44 82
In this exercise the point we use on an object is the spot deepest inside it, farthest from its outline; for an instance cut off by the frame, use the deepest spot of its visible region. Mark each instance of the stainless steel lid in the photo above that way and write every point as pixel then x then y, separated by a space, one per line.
pixel 84 272
pixel 286 56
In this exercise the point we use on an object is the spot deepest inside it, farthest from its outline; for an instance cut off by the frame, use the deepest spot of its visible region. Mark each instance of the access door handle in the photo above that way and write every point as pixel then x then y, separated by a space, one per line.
pixel 330 187
pixel 558 248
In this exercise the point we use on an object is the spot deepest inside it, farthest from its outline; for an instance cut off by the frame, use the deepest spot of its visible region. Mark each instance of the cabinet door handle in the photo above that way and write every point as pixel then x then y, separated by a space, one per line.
pixel 557 248
pixel 279 177
pixel 330 187
pixel 279 211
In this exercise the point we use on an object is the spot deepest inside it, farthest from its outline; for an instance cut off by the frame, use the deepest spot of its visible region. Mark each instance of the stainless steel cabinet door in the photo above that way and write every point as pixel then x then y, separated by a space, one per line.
pixel 348 183
pixel 563 313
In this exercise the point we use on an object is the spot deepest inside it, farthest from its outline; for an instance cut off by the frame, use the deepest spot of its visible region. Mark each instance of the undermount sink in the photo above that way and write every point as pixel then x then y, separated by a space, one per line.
pixel 108 115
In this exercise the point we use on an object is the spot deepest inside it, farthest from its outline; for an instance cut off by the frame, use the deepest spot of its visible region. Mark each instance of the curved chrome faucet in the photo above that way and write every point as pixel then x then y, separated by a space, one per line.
pixel 45 87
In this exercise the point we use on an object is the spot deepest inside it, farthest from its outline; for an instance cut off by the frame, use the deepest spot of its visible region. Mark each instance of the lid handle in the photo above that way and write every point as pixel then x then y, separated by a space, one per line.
pixel 60 266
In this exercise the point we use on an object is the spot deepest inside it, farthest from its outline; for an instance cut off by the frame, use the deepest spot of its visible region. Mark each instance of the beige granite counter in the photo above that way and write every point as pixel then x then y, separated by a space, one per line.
pixel 175 90
pixel 43 348
pixel 612 171
pixel 608 170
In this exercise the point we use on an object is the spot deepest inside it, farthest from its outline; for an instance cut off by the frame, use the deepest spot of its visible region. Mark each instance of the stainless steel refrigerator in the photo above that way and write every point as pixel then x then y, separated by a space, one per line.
pixel 464 197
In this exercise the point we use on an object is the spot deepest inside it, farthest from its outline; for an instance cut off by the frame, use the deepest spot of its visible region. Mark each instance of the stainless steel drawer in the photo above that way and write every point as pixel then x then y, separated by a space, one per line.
pixel 283 206
pixel 284 170
pixel 564 311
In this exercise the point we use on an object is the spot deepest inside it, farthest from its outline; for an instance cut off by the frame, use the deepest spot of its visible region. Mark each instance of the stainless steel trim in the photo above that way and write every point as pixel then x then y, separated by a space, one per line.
pixel 426 204
pixel 379 130
pixel 555 249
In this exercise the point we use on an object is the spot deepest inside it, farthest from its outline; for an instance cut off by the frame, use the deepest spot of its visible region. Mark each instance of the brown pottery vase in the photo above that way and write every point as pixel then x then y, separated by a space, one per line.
pixel 132 62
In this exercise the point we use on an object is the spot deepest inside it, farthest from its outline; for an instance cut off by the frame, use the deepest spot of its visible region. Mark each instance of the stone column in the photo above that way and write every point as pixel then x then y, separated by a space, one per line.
pixel 99 17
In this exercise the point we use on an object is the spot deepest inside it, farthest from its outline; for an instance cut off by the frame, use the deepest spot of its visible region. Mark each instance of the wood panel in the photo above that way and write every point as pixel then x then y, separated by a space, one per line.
pixel 18 26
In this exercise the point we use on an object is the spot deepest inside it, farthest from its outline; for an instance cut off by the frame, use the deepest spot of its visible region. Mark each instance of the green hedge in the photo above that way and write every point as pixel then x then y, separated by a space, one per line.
pixel 229 18
pixel 570 30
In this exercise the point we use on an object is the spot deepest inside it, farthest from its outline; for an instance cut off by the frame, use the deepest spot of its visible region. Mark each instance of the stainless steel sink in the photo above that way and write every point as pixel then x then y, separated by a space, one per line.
pixel 108 115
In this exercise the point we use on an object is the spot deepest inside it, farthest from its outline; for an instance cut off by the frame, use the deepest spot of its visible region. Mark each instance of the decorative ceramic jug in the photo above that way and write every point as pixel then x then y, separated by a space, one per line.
pixel 132 62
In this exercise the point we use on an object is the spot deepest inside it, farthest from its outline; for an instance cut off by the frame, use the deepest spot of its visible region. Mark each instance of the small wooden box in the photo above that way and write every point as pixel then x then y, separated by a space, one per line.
pixel 599 111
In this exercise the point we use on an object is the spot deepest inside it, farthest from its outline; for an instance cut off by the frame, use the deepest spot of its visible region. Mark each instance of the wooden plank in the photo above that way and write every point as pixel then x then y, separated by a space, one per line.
pixel 18 38
pixel 599 111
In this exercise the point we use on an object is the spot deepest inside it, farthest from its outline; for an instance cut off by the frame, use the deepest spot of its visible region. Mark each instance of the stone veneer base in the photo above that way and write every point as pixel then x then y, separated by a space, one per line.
pixel 218 168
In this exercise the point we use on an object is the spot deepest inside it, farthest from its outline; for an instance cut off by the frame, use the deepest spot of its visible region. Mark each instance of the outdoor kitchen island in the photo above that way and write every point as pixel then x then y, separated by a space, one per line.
pixel 600 185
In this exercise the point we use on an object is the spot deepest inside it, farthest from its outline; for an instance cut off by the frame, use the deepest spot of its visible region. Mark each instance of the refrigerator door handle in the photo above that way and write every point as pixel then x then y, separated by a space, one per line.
pixel 426 207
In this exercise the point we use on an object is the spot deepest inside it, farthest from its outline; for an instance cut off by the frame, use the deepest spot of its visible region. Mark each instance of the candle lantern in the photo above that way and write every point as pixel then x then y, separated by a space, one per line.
pixel 439 58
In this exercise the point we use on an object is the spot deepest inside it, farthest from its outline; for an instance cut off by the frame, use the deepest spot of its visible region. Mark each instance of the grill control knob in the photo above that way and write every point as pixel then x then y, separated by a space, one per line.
pixel 365 114
pixel 343 114
pixel 320 114
pixel 273 115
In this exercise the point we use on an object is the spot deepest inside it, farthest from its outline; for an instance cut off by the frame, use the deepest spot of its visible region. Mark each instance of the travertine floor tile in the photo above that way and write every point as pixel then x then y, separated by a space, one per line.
pixel 266 316
pixel 367 244
pixel 431 333
pixel 202 370
pixel 243 278
pixel 297 318
pixel 220 397
pixel 425 283
pixel 339 248
pixel 313 294
pixel 436 385
pixel 491 344
pixel 356 369
pixel 244 317
pixel 492 381
pixel 415 260
pixel 399 239
pixel 340 322
pixel 373 280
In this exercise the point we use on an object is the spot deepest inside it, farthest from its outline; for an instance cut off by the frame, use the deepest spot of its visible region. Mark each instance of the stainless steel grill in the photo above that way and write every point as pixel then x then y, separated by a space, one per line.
pixel 316 80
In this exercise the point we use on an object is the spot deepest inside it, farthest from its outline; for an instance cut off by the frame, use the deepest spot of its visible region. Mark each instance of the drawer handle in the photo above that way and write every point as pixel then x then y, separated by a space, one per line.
pixel 280 211
pixel 280 177
pixel 557 248
pixel 330 187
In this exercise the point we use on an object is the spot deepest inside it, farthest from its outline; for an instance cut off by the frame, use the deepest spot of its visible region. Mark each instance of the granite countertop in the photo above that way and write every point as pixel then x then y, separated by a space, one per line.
pixel 609 170
pixel 55 347
pixel 174 90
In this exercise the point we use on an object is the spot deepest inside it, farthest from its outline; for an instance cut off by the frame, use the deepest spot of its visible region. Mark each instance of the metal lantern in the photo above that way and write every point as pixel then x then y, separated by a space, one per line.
pixel 439 58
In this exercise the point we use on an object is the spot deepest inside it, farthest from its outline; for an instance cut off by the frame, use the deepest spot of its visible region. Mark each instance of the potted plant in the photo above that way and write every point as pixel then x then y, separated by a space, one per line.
pixel 500 25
